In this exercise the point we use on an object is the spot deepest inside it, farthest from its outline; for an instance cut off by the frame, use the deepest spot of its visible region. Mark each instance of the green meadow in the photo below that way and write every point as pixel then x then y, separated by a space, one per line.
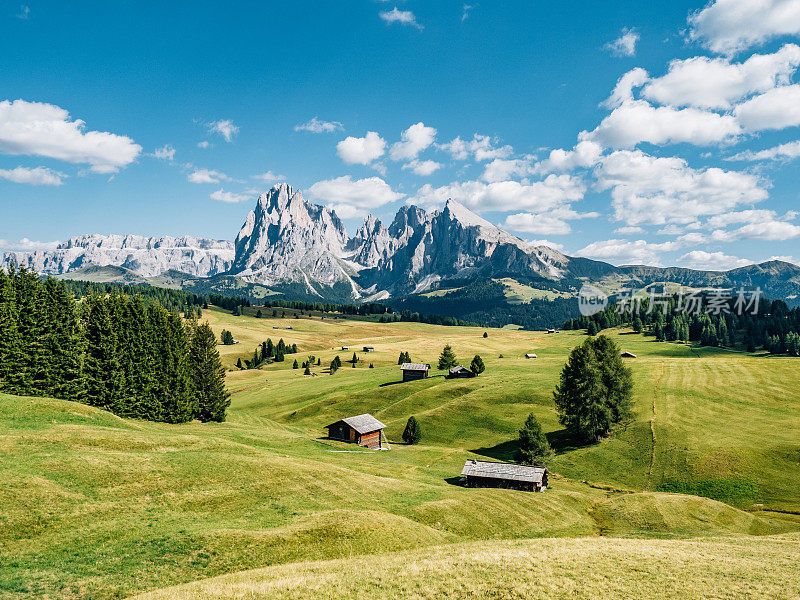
pixel 701 487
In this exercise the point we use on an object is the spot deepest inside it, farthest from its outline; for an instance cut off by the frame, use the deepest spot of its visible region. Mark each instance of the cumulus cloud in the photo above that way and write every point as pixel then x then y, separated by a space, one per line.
pixel 225 128
pixel 351 198
pixel 788 151
pixel 772 231
pixel 747 216
pixel 636 121
pixel 316 125
pixel 361 151
pixel 585 154
pixel 166 152
pixel 540 196
pixel 268 177
pixel 35 176
pixel 423 168
pixel 404 17
pixel 618 251
pixel 207 176
pixel 502 169
pixel 39 129
pixel 625 44
pixel 229 197
pixel 414 140
pixel 711 261
pixel 554 222
pixel 628 230
pixel 204 144
pixel 730 26
pixel 26 245
pixel 659 190
pixel 777 108
pixel 480 147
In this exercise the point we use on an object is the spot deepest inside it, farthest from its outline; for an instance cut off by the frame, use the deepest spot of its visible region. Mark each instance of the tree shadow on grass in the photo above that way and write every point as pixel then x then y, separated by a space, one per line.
pixel 454 481
pixel 504 451
pixel 560 441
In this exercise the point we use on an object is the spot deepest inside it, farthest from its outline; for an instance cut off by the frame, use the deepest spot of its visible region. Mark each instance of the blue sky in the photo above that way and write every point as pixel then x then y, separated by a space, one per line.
pixel 664 133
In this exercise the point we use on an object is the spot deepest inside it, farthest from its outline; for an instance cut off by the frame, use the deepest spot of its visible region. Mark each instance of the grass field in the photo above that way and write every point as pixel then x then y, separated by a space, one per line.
pixel 94 506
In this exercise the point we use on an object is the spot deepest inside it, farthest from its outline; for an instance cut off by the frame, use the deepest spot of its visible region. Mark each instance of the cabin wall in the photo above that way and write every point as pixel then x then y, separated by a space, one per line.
pixel 414 375
pixel 370 440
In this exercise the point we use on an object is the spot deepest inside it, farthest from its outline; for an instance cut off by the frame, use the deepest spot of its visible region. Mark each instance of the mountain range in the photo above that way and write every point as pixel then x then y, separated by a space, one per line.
pixel 292 247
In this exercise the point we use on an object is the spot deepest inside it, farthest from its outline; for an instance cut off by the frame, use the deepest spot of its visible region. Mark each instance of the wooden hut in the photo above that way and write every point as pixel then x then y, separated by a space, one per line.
pixel 413 371
pixel 478 473
pixel 369 348
pixel 530 355
pixel 460 372
pixel 627 354
pixel 364 430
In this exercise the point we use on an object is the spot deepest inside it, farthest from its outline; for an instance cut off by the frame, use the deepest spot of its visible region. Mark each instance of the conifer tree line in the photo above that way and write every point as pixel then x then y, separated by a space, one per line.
pixel 113 351
pixel 774 327
pixel 267 352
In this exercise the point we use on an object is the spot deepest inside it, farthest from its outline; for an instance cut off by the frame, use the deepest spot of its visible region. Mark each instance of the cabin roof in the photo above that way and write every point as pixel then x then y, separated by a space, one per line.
pixel 530 355
pixel 415 366
pixel 362 423
pixel 628 354
pixel 497 470
pixel 459 369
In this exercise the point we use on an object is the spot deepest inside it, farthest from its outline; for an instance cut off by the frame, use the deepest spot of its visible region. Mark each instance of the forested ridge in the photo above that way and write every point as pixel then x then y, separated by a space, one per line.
pixel 126 354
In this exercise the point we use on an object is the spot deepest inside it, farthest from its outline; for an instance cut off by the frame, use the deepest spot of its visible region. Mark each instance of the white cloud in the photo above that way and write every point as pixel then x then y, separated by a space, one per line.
pixel 628 230
pixel 730 26
pixel 548 243
pixel 768 231
pixel 315 125
pixel 711 261
pixel 625 44
pixel 35 176
pixel 415 139
pixel 36 128
pixel 540 196
pixel 465 11
pixel 24 12
pixel 404 17
pixel 225 128
pixel 585 154
pixel 658 190
pixel 481 147
pixel 423 168
pixel 361 151
pixel 26 245
pixel 786 151
pixel 776 109
pixel 786 258
pixel 747 216
pixel 636 121
pixel 717 83
pixel 166 152
pixel 207 176
pixel 623 90
pixel 627 252
pixel 554 222
pixel 353 198
pixel 204 144
pixel 222 196
pixel 501 170
pixel 268 177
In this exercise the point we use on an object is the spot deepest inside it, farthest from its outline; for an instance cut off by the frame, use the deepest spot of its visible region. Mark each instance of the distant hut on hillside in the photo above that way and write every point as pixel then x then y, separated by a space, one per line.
pixel 460 372
pixel 551 331
pixel 627 354
pixel 414 371
pixel 364 430
pixel 479 473
pixel 369 348
pixel 289 327
pixel 345 347
pixel 530 355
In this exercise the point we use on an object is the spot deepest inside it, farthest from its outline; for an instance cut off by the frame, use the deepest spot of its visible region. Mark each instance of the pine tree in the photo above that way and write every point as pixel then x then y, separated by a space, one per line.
pixel 307 371
pixel 534 448
pixel 355 359
pixel 295 365
pixel 485 335
pixel 211 399
pixel 10 342
pixel 259 314
pixel 104 375
pixel 270 348
pixel 412 434
pixel 447 360
pixel 477 366
pixel 595 389
pixel 239 363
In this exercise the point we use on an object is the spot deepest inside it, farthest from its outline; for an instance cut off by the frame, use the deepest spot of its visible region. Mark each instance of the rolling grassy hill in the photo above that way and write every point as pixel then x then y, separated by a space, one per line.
pixel 94 506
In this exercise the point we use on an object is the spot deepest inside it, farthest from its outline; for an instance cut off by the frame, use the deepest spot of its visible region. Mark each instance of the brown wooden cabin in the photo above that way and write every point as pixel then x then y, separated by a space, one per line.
pixel 530 355
pixel 369 348
pixel 414 371
pixel 460 372
pixel 627 354
pixel 364 430
pixel 479 473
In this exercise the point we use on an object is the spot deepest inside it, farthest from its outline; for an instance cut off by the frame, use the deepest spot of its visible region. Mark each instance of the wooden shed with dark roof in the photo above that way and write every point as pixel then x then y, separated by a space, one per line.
pixel 364 430
pixel 413 371
pixel 460 372
pixel 479 473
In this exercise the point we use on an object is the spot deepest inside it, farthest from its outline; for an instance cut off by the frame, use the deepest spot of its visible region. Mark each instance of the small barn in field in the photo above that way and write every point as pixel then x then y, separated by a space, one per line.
pixel 479 473
pixel 414 371
pixel 364 430
pixel 369 348
pixel 530 355
pixel 460 372
pixel 627 354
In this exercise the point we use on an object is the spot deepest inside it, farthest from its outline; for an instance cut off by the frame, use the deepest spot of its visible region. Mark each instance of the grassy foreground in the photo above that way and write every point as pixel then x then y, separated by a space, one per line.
pixel 531 569
pixel 94 506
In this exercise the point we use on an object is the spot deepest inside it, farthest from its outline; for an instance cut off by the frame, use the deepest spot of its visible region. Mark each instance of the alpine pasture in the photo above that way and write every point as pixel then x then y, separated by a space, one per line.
pixel 701 488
